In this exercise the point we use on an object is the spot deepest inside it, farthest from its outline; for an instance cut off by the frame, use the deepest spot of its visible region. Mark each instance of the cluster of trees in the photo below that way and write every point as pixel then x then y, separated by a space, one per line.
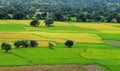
pixel 31 43
pixel 48 22
pixel 100 16
pixel 25 43
pixel 61 10
pixel 18 44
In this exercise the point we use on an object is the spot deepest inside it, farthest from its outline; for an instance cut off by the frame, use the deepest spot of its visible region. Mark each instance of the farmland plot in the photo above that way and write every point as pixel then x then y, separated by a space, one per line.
pixel 81 38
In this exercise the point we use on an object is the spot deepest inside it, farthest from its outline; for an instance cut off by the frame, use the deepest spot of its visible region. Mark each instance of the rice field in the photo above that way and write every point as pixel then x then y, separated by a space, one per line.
pixel 90 46
pixel 101 54
pixel 77 37
pixel 100 27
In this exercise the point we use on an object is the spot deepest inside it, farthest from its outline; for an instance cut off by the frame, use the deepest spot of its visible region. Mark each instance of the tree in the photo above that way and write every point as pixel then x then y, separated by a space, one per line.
pixel 81 17
pixel 19 16
pixel 2 46
pixel 17 44
pixel 98 18
pixel 89 17
pixel 118 18
pixel 35 23
pixel 25 43
pixel 58 16
pixel 6 47
pixel 111 16
pixel 33 43
pixel 49 22
pixel 69 43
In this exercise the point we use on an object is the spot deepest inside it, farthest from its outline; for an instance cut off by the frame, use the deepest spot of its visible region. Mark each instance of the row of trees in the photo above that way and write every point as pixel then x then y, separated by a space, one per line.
pixel 30 43
pixel 25 43
pixel 18 44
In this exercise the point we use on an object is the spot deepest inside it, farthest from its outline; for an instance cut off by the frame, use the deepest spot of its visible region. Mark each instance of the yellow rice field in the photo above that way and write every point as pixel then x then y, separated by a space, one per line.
pixel 21 35
pixel 26 22
pixel 77 37
pixel 101 27
pixel 4 22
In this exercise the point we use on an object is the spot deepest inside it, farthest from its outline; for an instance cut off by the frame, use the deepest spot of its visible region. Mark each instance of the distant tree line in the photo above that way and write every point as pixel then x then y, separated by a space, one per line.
pixel 62 10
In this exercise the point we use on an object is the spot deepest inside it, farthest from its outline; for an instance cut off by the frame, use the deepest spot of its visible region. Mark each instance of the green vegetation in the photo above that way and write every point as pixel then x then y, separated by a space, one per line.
pixel 89 44
pixel 62 10
pixel 11 27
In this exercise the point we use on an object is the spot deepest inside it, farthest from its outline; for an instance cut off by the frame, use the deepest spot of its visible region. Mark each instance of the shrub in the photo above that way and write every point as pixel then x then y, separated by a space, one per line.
pixel 69 43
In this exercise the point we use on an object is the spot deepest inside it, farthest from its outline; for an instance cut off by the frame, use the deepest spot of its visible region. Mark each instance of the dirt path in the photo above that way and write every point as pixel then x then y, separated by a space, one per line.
pixel 53 68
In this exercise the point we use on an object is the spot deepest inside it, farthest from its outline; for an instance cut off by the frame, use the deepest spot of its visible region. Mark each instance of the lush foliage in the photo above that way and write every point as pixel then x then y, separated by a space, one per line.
pixel 61 10
pixel 25 43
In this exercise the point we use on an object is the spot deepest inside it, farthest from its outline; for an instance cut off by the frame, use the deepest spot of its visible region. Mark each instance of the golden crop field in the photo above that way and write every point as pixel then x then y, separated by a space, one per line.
pixel 101 27
pixel 4 22
pixel 82 37
pixel 21 35
pixel 25 22
pixel 14 36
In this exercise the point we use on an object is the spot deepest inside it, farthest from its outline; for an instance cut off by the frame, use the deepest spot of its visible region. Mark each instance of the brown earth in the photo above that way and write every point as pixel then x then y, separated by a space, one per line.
pixel 53 68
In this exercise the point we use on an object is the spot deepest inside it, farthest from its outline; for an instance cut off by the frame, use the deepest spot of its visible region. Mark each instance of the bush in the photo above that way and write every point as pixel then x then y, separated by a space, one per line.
pixel 35 23
pixel 69 43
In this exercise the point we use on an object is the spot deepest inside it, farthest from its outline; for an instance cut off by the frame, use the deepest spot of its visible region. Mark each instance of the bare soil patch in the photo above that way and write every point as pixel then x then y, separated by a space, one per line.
pixel 113 42
pixel 53 68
